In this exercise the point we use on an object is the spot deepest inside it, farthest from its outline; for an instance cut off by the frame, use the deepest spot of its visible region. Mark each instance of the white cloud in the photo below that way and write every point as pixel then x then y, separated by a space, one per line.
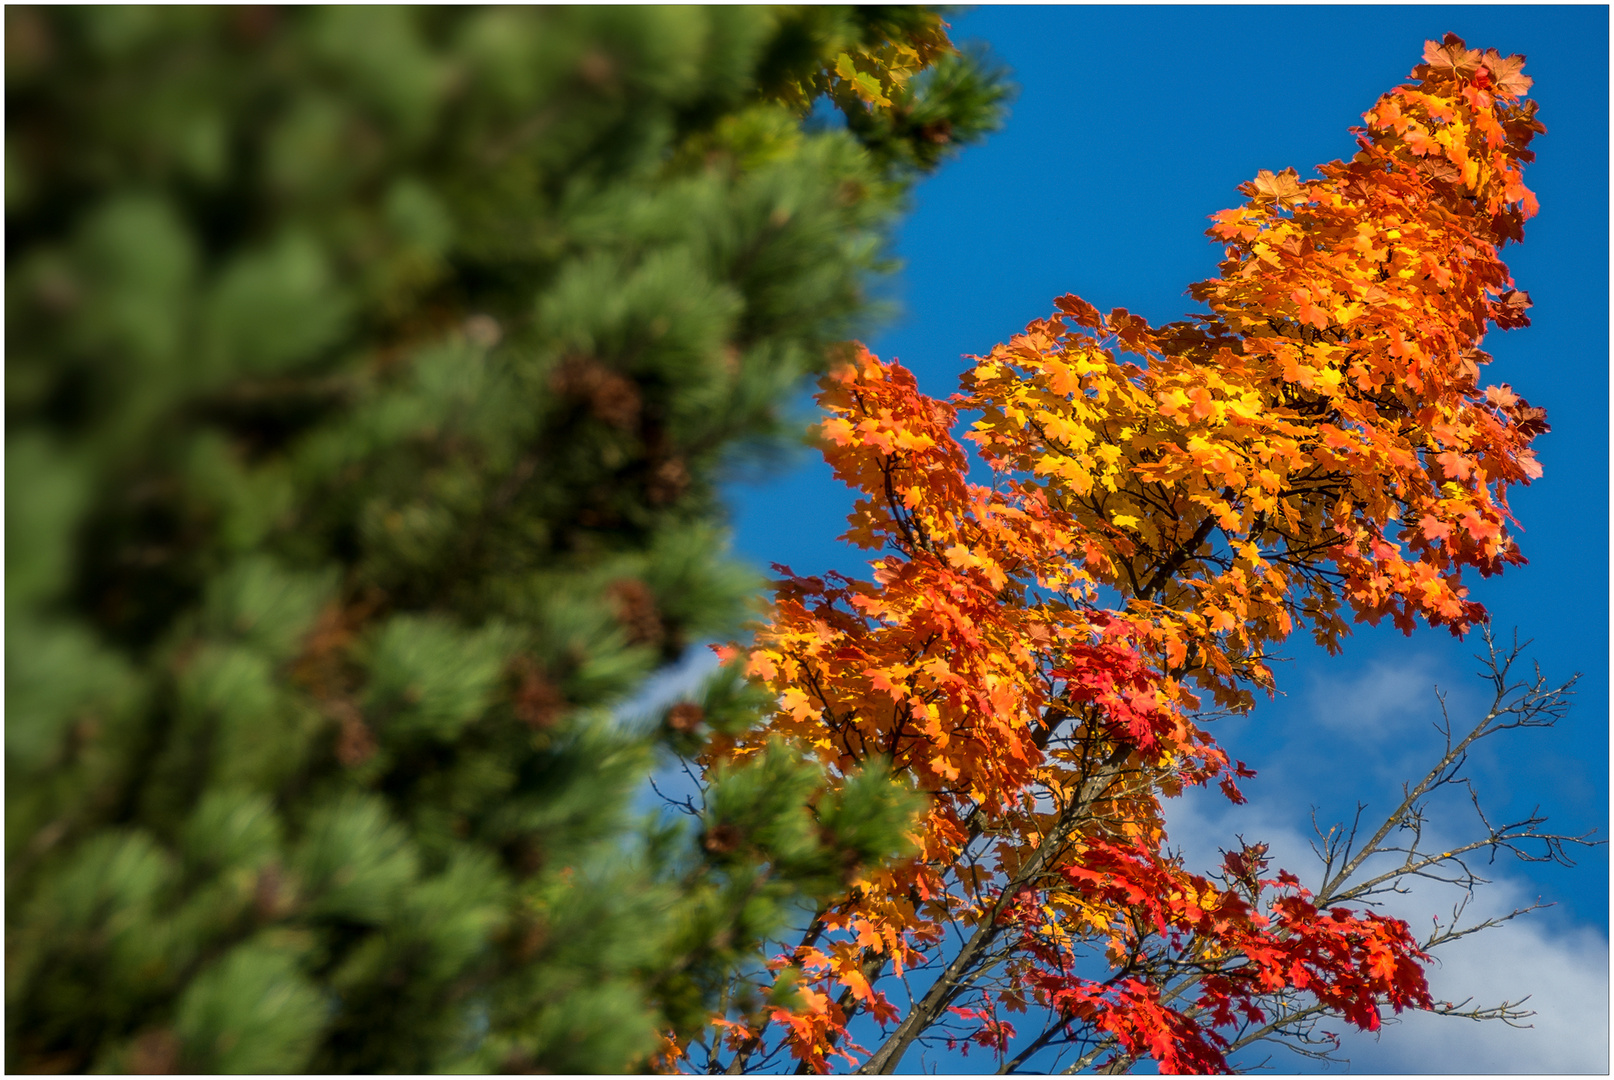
pixel 1565 975
pixel 1562 968
pixel 1384 696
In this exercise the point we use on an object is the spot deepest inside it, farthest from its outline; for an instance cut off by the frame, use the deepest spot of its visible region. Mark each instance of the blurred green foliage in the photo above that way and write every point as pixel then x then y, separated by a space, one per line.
pixel 368 375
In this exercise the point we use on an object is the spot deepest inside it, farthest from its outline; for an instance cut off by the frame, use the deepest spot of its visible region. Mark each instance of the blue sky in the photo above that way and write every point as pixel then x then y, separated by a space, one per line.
pixel 1131 127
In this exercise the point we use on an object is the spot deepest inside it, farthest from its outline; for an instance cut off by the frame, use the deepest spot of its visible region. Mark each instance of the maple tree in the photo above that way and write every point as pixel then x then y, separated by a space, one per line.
pixel 1039 655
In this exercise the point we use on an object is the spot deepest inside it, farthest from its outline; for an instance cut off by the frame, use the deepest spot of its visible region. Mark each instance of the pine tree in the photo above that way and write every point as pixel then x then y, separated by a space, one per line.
pixel 369 373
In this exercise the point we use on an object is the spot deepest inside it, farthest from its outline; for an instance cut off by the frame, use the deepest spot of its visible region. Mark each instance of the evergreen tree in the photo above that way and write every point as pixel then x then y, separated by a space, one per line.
pixel 369 373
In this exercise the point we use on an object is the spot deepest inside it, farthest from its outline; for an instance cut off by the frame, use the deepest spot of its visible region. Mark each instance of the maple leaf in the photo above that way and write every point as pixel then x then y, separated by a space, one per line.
pixel 1451 57
pixel 854 980
pixel 882 681
pixel 1509 309
pixel 1506 74
pixel 1081 311
pixel 1528 420
pixel 1420 141
pixel 1437 168
pixel 1282 188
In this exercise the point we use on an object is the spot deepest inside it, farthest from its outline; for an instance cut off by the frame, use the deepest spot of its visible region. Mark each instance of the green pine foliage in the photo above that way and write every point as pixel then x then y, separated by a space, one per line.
pixel 369 373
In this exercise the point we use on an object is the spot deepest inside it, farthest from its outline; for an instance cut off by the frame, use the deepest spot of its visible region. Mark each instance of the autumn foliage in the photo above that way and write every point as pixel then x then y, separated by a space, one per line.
pixel 1167 505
